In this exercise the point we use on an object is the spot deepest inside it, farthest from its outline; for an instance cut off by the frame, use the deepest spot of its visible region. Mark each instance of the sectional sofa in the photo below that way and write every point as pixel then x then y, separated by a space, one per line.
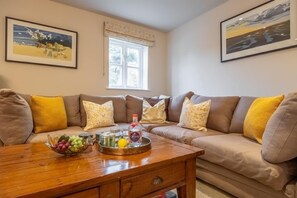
pixel 231 162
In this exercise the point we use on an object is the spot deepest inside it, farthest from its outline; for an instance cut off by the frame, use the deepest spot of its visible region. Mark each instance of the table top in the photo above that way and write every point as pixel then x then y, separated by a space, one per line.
pixel 35 168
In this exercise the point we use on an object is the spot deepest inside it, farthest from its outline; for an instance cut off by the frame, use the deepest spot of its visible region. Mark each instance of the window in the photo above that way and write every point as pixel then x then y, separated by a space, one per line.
pixel 127 65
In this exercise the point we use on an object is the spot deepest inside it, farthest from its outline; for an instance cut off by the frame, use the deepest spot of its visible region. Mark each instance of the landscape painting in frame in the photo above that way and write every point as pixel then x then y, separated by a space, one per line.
pixel 269 27
pixel 34 43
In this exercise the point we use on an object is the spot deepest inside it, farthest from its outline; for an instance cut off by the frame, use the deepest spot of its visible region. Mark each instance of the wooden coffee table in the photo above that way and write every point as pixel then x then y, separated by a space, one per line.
pixel 33 170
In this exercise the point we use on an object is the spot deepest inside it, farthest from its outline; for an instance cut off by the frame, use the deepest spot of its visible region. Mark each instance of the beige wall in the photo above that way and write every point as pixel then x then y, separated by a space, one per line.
pixel 194 60
pixel 88 78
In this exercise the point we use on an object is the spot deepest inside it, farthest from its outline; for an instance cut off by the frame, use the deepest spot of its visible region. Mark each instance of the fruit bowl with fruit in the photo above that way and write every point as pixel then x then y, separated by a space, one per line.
pixel 67 144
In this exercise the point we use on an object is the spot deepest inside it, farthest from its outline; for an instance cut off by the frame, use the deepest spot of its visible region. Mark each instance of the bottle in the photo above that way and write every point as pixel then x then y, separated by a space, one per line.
pixel 135 132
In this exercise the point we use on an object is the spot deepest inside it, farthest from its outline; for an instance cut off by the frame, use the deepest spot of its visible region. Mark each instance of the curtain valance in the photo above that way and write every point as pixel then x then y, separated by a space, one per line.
pixel 128 33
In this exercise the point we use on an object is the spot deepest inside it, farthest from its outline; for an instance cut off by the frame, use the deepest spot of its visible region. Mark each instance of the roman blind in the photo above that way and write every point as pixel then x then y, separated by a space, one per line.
pixel 128 33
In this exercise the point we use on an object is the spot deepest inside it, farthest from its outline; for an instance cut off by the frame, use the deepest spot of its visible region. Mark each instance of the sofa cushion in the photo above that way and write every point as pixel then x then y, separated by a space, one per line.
pixel 240 113
pixel 153 114
pixel 153 101
pixel 71 106
pixel 258 115
pixel 243 156
pixel 42 137
pixel 119 126
pixel 98 115
pixel 134 106
pixel 119 106
pixel 175 106
pixel 15 118
pixel 49 113
pixel 72 110
pixel 194 116
pixel 280 135
pixel 181 134
pixel 221 111
pixel 237 184
pixel 150 126
pixel 27 97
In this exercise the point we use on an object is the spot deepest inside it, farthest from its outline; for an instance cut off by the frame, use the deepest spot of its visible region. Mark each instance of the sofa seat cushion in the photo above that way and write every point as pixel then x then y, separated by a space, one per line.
pixel 42 137
pixel 237 184
pixel 149 127
pixel 243 156
pixel 181 134
pixel 120 126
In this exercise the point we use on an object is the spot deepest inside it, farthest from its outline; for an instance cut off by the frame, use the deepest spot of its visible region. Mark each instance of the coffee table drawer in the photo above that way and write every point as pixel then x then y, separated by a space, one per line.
pixel 153 180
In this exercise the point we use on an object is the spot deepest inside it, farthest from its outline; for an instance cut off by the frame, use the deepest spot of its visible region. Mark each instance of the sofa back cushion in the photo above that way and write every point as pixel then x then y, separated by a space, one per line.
pixel 280 135
pixel 15 118
pixel 72 110
pixel 119 106
pixel 175 106
pixel 134 106
pixel 221 111
pixel 240 113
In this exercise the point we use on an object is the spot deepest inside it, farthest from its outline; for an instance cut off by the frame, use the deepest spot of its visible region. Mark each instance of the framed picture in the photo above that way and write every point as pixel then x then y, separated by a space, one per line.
pixel 28 42
pixel 269 27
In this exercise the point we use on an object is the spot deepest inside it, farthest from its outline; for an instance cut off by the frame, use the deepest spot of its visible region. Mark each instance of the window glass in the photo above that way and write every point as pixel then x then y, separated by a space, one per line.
pixel 127 65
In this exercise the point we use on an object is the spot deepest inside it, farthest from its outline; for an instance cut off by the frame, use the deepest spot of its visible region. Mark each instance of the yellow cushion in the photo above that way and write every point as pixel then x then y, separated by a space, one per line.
pixel 49 113
pixel 258 115
pixel 194 116
pixel 98 115
pixel 155 114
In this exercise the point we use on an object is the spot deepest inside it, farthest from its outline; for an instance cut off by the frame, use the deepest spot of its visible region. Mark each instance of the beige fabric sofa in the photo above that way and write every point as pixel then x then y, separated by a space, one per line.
pixel 231 161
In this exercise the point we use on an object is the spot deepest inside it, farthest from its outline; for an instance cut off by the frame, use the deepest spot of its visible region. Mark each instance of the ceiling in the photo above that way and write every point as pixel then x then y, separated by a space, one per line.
pixel 164 15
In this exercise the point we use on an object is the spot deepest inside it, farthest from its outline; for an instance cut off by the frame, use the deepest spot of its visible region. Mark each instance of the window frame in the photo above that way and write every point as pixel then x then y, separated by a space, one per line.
pixel 143 64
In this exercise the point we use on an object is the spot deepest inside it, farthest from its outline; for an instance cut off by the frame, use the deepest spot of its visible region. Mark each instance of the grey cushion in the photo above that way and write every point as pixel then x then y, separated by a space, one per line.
pixel 240 113
pixel 221 111
pixel 181 134
pixel 280 135
pixel 15 118
pixel 119 106
pixel 243 156
pixel 134 106
pixel 72 110
pixel 175 106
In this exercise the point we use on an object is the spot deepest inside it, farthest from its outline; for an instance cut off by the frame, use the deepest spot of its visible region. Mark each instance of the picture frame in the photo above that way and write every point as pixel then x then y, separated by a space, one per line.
pixel 35 43
pixel 266 28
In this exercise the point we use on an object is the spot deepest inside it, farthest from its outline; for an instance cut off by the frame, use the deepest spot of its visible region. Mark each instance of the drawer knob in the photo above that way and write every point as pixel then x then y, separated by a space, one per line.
pixel 158 180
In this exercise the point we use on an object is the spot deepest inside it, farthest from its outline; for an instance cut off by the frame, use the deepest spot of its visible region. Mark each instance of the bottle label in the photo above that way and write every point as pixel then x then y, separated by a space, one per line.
pixel 134 136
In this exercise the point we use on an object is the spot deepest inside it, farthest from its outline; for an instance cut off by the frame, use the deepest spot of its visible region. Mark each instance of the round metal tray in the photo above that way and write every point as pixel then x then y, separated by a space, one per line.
pixel 145 146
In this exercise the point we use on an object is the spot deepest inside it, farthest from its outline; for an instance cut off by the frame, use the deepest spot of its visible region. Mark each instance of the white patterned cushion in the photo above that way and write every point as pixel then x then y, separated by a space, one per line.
pixel 155 114
pixel 98 115
pixel 194 116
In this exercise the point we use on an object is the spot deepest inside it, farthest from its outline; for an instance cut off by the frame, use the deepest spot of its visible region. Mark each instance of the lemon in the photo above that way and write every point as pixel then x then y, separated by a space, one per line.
pixel 122 143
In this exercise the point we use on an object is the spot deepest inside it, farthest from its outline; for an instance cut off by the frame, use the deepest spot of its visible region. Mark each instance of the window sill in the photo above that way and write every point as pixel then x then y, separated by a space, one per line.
pixel 127 89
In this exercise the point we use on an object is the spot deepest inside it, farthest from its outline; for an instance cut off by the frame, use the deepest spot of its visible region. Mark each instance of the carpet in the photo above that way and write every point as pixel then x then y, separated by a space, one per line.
pixel 205 190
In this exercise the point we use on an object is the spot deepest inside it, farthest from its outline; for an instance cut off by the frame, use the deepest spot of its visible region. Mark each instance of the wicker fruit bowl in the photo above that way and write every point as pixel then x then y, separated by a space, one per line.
pixel 67 145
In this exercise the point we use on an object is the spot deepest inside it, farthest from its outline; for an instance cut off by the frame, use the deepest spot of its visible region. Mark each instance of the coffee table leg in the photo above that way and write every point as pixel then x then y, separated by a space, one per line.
pixel 189 190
